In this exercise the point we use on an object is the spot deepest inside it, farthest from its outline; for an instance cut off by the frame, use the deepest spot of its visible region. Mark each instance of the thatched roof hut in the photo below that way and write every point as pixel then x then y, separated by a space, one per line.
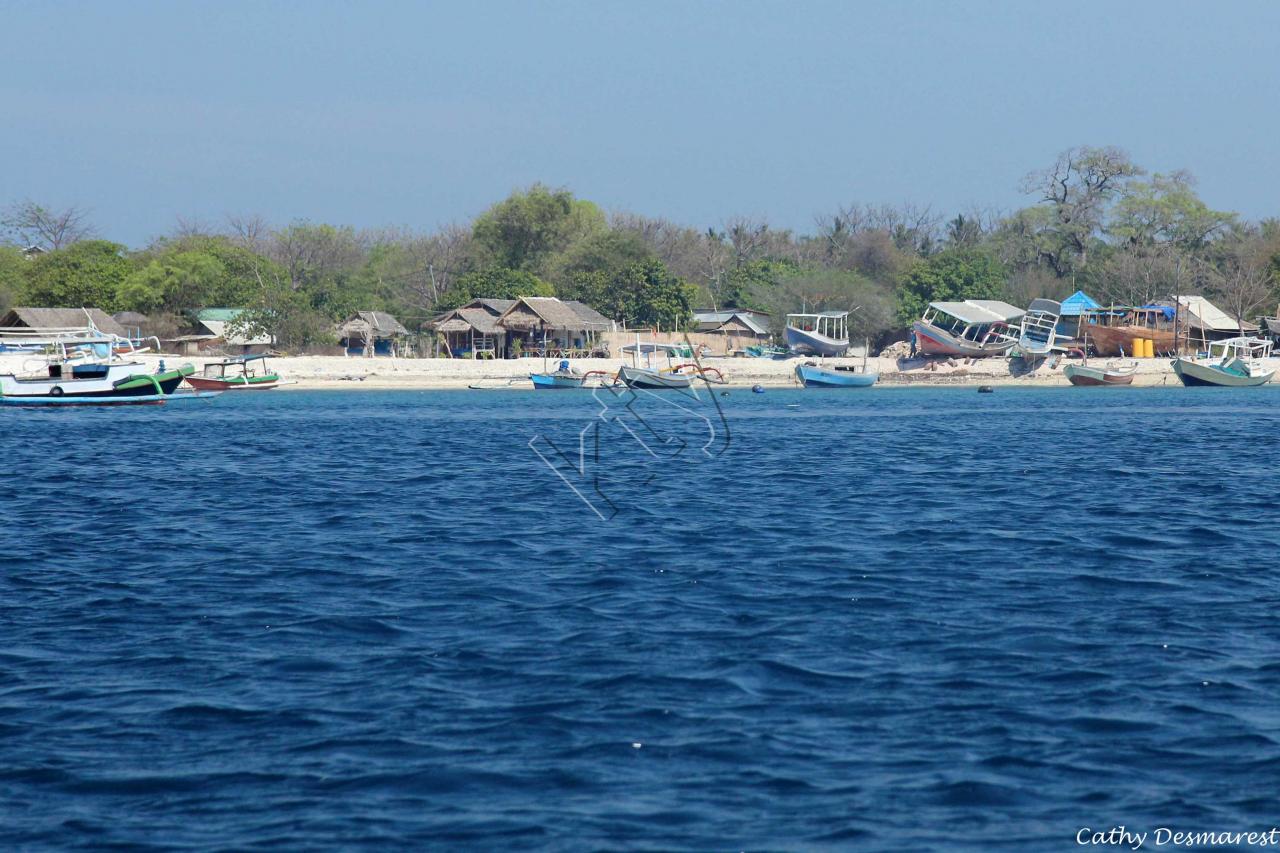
pixel 61 318
pixel 547 313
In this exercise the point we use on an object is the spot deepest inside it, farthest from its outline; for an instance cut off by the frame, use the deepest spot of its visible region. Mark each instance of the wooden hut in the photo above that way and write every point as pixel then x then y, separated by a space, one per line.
pixel 60 319
pixel 740 327
pixel 208 335
pixel 371 333
pixel 473 329
pixel 563 328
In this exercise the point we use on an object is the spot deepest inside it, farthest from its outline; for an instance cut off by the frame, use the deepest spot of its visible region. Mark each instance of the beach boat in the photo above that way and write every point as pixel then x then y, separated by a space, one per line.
pixel 1112 331
pixel 653 380
pixel 825 334
pixel 975 328
pixel 1233 363
pixel 243 373
pixel 764 351
pixel 565 377
pixel 1084 375
pixel 94 382
pixel 813 376
pixel 1038 331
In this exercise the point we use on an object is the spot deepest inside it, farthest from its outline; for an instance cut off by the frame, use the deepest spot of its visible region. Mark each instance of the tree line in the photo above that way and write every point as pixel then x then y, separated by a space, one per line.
pixel 1095 221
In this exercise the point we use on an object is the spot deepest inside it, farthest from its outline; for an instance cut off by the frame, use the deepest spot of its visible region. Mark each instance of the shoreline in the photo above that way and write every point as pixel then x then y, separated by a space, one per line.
pixel 386 374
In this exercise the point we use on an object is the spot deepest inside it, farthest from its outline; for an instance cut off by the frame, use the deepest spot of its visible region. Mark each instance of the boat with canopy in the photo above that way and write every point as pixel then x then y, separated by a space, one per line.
pixel 825 334
pixel 974 328
pixel 1233 363
pixel 242 373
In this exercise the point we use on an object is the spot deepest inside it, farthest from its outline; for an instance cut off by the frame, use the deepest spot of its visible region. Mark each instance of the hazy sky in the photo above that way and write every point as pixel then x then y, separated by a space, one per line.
pixel 417 114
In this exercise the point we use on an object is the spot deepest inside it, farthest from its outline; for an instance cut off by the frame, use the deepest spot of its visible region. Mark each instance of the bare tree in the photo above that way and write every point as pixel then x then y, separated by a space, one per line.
pixel 1244 281
pixel 249 231
pixel 36 225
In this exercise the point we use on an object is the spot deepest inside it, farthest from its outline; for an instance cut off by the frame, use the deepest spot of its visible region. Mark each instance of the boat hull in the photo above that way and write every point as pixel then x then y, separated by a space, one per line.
pixel 811 376
pixel 1118 340
pixel 119 383
pixel 1194 374
pixel 262 383
pixel 812 343
pixel 1078 374
pixel 551 381
pixel 931 340
pixel 652 380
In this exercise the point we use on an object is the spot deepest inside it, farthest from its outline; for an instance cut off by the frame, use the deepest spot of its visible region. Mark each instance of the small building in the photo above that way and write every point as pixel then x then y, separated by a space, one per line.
pixel 371 333
pixel 1205 322
pixel 1073 307
pixel 61 319
pixel 473 329
pixel 741 327
pixel 208 335
pixel 566 328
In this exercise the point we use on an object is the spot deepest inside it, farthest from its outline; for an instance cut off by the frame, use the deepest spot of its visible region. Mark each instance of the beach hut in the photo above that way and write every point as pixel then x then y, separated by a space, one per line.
pixel 1073 307
pixel 473 328
pixel 209 334
pixel 60 319
pixel 371 333
pixel 1202 322
pixel 566 328
pixel 741 327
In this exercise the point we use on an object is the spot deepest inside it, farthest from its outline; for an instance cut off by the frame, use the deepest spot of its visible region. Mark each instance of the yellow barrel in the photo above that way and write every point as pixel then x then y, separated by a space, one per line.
pixel 1149 348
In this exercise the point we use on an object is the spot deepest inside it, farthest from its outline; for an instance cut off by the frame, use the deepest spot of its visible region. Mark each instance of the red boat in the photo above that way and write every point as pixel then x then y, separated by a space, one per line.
pixel 246 373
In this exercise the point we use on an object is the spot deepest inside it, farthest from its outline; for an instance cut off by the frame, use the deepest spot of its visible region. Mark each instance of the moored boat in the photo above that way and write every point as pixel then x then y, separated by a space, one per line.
pixel 92 382
pixel 1233 363
pixel 243 373
pixel 814 376
pixel 825 334
pixel 653 380
pixel 975 328
pixel 1087 375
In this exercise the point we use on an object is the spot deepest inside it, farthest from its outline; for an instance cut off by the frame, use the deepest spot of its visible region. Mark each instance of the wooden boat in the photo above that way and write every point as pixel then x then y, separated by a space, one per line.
pixel 244 373
pixel 1038 331
pixel 813 376
pixel 825 334
pixel 1085 375
pixel 95 381
pixel 653 380
pixel 1112 331
pixel 565 377
pixel 1233 363
pixel 975 328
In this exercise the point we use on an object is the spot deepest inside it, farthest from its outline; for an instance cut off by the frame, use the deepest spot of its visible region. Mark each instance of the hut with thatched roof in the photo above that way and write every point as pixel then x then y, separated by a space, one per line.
pixel 473 329
pixel 371 333
pixel 562 328
pixel 60 319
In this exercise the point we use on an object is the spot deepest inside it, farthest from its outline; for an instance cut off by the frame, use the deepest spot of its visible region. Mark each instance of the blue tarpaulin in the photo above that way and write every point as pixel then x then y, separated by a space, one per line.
pixel 1077 303
pixel 1167 310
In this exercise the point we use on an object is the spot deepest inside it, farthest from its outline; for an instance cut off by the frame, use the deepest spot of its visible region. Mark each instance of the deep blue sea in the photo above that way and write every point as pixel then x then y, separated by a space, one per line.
pixel 896 619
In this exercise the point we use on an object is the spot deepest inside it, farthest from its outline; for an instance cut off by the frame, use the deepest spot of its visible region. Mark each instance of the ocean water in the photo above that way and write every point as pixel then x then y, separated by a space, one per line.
pixel 896 619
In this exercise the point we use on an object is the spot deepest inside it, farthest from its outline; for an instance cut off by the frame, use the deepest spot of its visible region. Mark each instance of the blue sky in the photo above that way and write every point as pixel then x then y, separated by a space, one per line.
pixel 418 114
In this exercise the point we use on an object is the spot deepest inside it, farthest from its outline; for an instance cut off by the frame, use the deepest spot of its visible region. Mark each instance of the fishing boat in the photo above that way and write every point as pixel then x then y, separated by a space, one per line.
pixel 975 328
pixel 1038 331
pixel 564 376
pixel 1112 331
pixel 653 380
pixel 243 373
pixel 1085 375
pixel 1233 363
pixel 812 375
pixel 825 334
pixel 95 382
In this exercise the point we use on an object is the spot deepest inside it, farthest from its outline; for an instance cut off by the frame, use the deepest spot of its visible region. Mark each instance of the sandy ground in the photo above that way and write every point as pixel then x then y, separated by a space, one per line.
pixel 336 372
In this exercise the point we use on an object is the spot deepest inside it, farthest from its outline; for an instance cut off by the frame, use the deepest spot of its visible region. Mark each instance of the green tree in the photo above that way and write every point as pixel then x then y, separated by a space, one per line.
pixel 952 275
pixel 13 277
pixel 523 231
pixel 642 294
pixel 495 283
pixel 87 274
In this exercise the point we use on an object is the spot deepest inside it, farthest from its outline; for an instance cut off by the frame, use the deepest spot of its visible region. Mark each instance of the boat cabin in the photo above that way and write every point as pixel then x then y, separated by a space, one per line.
pixel 247 366
pixel 971 320
pixel 1246 349
pixel 829 324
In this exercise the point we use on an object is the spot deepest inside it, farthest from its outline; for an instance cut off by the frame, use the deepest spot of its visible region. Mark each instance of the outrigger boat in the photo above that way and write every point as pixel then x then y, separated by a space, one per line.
pixel 825 334
pixel 669 379
pixel 564 377
pixel 1233 363
pixel 975 328
pixel 91 383
pixel 1038 332
pixel 813 376
pixel 243 373
pixel 1084 375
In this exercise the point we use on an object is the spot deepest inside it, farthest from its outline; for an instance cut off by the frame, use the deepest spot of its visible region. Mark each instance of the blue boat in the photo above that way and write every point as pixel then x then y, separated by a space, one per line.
pixel 825 334
pixel 812 376
pixel 564 377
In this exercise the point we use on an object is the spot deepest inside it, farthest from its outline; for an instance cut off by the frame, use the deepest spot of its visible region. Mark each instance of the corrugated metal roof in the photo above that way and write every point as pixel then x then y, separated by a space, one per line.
pixel 979 310
pixel 218 328
pixel 1077 303
pixel 1212 317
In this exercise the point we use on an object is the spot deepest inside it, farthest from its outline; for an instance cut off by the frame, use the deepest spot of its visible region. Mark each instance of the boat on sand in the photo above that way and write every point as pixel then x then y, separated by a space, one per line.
pixel 975 328
pixel 1088 375
pixel 825 334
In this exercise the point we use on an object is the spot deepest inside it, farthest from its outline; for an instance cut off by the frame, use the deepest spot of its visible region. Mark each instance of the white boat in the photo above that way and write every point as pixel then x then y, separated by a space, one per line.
pixel 1233 363
pixel 653 380
pixel 974 328
pixel 825 334
pixel 1038 332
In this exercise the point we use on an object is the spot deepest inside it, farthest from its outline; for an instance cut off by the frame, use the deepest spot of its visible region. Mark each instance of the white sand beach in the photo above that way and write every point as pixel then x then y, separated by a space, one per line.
pixel 336 372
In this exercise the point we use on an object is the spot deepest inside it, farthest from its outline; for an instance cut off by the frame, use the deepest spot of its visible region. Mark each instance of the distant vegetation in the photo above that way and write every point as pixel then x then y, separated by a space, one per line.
pixel 1096 221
